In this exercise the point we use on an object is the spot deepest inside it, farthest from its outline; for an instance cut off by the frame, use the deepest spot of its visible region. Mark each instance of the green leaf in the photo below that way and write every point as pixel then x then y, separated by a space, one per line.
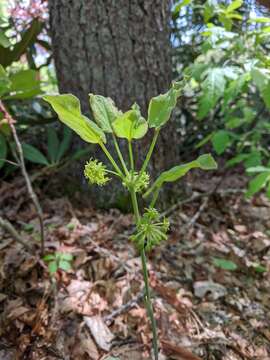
pixel 258 169
pixel 49 257
pixel 104 111
pixel 3 150
pixel 4 81
pixel 65 143
pixel 257 183
pixel 261 78
pixel 34 155
pixel 24 85
pixel 64 265
pixel 204 162
pixel 66 256
pixel 52 266
pixel 130 125
pixel 221 140
pixel 179 6
pixel 161 107
pixel 68 109
pixel 212 89
pixel 4 40
pixel 262 20
pixel 234 89
pixel 259 268
pixel 234 5
pixel 224 264
pixel 53 144
pixel 7 56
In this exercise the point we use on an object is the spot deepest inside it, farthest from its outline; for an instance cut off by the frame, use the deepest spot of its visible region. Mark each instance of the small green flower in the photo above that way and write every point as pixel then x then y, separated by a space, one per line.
pixel 151 230
pixel 96 172
pixel 138 185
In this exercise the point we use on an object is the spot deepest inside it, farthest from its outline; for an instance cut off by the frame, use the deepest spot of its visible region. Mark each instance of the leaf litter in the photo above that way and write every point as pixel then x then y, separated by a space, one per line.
pixel 205 308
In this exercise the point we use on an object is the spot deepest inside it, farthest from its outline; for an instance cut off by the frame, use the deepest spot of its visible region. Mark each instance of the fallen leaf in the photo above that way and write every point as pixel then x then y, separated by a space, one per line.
pixel 100 331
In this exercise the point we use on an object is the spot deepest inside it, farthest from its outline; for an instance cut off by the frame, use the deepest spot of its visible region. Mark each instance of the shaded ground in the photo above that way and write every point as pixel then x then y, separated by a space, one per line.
pixel 95 310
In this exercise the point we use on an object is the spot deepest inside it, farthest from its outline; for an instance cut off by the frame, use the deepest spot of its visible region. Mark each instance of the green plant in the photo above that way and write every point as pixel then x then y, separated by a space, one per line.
pixel 228 84
pixel 57 261
pixel 151 227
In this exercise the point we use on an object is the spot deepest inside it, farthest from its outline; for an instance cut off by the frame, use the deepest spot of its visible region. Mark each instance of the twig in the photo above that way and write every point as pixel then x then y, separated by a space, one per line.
pixel 194 218
pixel 6 225
pixel 126 307
pixel 197 196
pixel 30 189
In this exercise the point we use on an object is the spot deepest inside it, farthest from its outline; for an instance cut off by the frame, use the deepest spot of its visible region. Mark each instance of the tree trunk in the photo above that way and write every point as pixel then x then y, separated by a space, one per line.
pixel 116 48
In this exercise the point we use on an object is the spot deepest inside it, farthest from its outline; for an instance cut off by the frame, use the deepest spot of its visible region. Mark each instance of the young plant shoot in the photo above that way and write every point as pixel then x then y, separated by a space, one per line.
pixel 151 228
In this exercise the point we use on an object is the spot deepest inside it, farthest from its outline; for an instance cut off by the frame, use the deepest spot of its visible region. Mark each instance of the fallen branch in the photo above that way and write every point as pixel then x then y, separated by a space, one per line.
pixel 179 350
pixel 30 189
pixel 198 196
pixel 6 225
pixel 124 308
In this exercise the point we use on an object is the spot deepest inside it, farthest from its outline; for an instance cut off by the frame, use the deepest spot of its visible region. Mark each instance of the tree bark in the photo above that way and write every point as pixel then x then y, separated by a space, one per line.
pixel 116 48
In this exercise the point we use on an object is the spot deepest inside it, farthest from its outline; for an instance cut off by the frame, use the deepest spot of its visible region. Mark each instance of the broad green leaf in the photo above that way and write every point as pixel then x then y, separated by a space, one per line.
pixel 130 125
pixel 34 155
pixel 257 183
pixel 24 84
pixel 224 264
pixel 236 4
pixel 212 89
pixel 64 144
pixel 64 265
pixel 3 150
pixel 204 162
pixel 53 144
pixel 52 266
pixel 161 107
pixel 221 140
pixel 104 111
pixel 68 109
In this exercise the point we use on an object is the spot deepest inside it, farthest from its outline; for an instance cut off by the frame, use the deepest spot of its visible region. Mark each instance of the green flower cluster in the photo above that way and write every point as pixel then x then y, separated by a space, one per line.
pixel 96 172
pixel 151 230
pixel 132 179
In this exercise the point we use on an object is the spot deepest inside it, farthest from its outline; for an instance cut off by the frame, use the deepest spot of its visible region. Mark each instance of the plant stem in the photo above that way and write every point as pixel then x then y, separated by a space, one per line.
pixel 119 172
pixel 120 154
pixel 145 277
pixel 29 186
pixel 149 154
pixel 131 155
pixel 149 304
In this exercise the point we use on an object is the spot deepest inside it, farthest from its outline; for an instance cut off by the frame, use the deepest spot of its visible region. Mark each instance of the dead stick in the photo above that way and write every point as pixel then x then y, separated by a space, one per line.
pixel 30 189
pixel 6 225
pixel 124 308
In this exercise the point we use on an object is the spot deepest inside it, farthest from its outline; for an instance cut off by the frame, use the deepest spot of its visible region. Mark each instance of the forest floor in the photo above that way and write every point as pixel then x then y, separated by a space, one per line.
pixel 95 310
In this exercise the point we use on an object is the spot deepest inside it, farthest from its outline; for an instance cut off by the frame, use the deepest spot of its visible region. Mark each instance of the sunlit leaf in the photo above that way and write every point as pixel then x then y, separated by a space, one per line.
pixel 161 107
pixel 104 111
pixel 130 125
pixel 68 109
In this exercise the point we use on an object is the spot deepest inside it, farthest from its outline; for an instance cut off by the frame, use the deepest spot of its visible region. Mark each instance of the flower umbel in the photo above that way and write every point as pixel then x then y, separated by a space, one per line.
pixel 96 172
pixel 151 230
pixel 140 185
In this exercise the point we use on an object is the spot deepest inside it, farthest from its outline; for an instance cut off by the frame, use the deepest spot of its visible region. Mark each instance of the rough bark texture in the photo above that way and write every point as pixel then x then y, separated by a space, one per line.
pixel 117 48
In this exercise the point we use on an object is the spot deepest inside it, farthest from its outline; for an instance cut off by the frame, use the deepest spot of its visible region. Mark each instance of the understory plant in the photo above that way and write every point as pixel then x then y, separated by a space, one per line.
pixel 151 227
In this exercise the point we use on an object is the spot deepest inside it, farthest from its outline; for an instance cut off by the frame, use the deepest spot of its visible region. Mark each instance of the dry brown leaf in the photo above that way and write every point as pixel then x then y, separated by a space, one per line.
pixel 100 331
